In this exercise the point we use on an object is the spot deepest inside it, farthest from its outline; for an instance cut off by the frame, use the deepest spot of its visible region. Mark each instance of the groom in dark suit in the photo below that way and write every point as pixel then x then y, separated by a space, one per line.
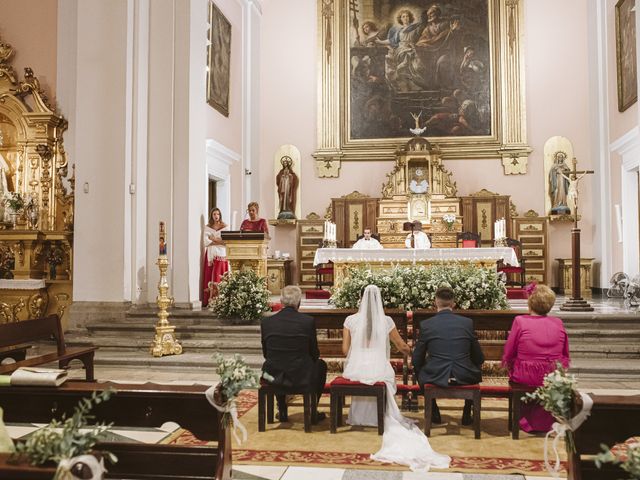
pixel 447 352
pixel 290 348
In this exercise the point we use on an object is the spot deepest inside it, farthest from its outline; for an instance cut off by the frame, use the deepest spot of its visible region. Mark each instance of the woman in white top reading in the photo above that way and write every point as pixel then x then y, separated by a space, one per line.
pixel 365 341
pixel 367 242
pixel 215 255
pixel 420 239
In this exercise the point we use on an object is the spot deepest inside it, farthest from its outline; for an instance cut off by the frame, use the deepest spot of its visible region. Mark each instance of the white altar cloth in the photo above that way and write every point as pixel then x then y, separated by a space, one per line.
pixel 346 255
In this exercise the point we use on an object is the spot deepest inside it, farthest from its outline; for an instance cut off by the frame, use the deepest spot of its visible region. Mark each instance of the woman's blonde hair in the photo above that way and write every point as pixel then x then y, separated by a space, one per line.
pixel 253 204
pixel 541 300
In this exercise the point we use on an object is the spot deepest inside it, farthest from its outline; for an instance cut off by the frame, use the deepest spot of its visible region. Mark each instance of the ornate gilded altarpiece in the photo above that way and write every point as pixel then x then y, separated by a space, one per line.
pixel 36 200
pixel 457 63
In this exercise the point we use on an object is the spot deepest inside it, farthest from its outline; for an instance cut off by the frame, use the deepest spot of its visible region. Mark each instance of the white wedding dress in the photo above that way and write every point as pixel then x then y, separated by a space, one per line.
pixel 368 362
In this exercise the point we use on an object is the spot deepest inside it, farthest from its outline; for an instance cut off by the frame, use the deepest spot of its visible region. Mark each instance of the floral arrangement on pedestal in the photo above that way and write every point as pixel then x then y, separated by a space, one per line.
pixel 235 376
pixel 55 257
pixel 415 286
pixel 242 297
pixel 68 441
pixel 449 219
pixel 628 459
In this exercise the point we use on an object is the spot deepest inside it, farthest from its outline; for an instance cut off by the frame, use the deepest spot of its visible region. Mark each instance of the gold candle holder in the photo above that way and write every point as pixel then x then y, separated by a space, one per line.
pixel 165 342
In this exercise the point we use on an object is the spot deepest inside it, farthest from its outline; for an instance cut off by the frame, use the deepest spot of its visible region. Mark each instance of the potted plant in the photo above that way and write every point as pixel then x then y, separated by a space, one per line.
pixel 449 219
pixel 242 297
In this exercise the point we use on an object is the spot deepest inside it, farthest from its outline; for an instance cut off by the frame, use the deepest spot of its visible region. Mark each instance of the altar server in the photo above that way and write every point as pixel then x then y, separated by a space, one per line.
pixel 367 242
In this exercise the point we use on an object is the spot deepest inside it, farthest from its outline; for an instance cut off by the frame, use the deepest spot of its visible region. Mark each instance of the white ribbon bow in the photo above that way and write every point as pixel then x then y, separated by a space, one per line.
pixel 560 429
pixel 231 409
pixel 66 464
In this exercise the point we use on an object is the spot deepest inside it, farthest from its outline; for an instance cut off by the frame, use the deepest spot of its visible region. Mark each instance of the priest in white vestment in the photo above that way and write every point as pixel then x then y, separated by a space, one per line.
pixel 420 239
pixel 367 242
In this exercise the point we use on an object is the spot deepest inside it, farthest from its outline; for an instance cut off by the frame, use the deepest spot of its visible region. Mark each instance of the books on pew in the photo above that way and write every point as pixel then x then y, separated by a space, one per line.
pixel 38 377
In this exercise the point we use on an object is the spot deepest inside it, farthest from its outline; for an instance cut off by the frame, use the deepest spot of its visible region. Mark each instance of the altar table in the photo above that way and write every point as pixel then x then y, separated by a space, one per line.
pixel 344 258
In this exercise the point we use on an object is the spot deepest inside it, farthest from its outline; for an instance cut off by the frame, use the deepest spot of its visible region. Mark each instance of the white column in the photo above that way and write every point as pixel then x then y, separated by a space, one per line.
pixel 252 13
pixel 598 94
pixel 628 147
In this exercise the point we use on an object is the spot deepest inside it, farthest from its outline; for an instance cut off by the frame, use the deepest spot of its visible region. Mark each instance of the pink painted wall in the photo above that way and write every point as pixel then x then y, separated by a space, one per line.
pixel 228 130
pixel 557 104
pixel 30 26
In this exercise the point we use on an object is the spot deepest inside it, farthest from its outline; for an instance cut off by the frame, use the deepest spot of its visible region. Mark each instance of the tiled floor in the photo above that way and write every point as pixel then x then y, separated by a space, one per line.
pixel 250 472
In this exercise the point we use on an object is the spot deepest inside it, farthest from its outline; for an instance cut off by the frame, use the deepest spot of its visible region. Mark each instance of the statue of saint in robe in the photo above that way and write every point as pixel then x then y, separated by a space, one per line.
pixel 287 183
pixel 559 185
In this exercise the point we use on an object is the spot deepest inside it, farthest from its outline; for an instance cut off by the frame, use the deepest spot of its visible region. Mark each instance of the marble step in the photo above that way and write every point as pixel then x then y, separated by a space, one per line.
pixel 185 361
pixel 196 329
pixel 142 342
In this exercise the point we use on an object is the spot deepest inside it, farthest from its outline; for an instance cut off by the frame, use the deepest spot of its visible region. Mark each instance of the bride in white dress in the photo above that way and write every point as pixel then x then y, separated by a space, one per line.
pixel 366 339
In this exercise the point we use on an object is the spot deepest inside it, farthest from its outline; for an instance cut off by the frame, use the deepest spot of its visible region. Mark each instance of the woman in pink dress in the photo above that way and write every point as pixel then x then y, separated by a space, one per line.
pixel 535 343
pixel 215 255
pixel 253 223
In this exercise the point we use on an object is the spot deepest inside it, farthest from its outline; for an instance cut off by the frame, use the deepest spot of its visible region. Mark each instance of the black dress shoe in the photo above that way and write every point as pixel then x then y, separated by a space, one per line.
pixel 435 417
pixel 320 416
pixel 467 419
pixel 282 416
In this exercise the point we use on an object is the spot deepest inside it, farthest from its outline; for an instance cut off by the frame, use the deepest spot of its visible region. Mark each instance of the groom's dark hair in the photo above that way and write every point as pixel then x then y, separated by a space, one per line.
pixel 445 296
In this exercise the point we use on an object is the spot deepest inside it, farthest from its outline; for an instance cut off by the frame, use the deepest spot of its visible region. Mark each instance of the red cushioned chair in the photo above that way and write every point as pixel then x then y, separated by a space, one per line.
pixel 510 270
pixel 324 275
pixel 341 387
pixel 468 240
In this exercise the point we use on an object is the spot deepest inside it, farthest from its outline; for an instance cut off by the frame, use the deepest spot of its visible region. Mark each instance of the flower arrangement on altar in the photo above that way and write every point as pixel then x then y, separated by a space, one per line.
pixel 415 286
pixel 68 441
pixel 235 376
pixel 242 297
pixel 449 219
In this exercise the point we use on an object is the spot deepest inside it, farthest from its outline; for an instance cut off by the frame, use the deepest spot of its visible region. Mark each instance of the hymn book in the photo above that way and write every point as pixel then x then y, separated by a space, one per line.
pixel 38 377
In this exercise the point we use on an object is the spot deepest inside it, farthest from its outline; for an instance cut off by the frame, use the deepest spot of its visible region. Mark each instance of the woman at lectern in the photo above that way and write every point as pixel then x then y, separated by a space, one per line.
pixel 254 223
pixel 215 255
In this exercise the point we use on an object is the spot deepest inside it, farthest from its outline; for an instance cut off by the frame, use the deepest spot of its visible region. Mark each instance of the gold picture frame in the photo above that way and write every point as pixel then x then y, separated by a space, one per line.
pixel 504 56
pixel 626 61
pixel 218 60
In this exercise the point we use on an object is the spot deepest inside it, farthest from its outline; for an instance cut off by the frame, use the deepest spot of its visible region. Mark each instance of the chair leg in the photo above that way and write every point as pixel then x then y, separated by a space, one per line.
pixel 476 413
pixel 262 400
pixel 510 414
pixel 333 412
pixel 270 416
pixel 307 403
pixel 428 407
pixel 380 400
pixel 515 416
pixel 340 401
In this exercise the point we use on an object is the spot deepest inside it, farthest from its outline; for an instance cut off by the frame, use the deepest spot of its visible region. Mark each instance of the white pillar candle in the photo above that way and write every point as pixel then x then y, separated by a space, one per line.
pixel 495 229
pixel 234 217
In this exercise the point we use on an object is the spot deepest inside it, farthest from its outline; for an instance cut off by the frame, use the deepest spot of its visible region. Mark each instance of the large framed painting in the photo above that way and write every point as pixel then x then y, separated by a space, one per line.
pixel 626 54
pixel 219 60
pixel 452 69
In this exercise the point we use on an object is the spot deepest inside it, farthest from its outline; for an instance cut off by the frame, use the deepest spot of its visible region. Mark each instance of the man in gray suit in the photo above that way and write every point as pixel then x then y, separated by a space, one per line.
pixel 447 352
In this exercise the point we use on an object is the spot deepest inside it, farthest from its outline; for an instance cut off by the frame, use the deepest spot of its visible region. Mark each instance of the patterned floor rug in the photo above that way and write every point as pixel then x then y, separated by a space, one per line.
pixel 286 443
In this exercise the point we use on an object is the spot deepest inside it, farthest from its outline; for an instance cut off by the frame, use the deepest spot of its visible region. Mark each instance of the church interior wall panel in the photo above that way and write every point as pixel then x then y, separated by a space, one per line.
pixel 228 130
pixel 30 27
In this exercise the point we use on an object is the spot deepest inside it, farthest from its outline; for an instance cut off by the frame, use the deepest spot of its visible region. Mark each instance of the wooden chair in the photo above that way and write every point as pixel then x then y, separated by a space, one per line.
pixel 266 396
pixel 468 240
pixel 324 275
pixel 140 405
pixel 466 392
pixel 15 333
pixel 341 387
pixel 510 270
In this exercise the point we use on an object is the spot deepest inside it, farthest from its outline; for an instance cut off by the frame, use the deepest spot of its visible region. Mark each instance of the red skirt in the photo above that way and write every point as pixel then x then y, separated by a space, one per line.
pixel 212 273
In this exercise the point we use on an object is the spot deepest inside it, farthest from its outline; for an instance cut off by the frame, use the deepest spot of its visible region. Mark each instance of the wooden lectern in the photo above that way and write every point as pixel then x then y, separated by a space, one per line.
pixel 246 250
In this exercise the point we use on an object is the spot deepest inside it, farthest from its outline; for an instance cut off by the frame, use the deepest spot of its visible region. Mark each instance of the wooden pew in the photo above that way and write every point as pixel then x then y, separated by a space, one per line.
pixel 613 419
pixel 27 331
pixel 147 405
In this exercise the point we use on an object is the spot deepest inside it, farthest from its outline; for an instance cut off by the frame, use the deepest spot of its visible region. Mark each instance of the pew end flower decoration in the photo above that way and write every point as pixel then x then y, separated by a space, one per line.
pixel 628 459
pixel 69 441
pixel 235 375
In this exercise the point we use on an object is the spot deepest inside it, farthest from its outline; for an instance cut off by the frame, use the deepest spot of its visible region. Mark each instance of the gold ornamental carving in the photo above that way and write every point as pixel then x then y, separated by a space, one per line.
pixel 531 214
pixel 164 342
pixel 313 216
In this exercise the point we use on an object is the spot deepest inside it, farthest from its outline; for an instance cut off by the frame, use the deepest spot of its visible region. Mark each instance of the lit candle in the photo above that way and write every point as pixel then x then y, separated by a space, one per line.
pixel 162 248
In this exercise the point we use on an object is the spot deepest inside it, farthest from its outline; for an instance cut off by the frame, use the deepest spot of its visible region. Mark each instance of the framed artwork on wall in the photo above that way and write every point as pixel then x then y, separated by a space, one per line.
pixel 218 60
pixel 457 64
pixel 626 54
